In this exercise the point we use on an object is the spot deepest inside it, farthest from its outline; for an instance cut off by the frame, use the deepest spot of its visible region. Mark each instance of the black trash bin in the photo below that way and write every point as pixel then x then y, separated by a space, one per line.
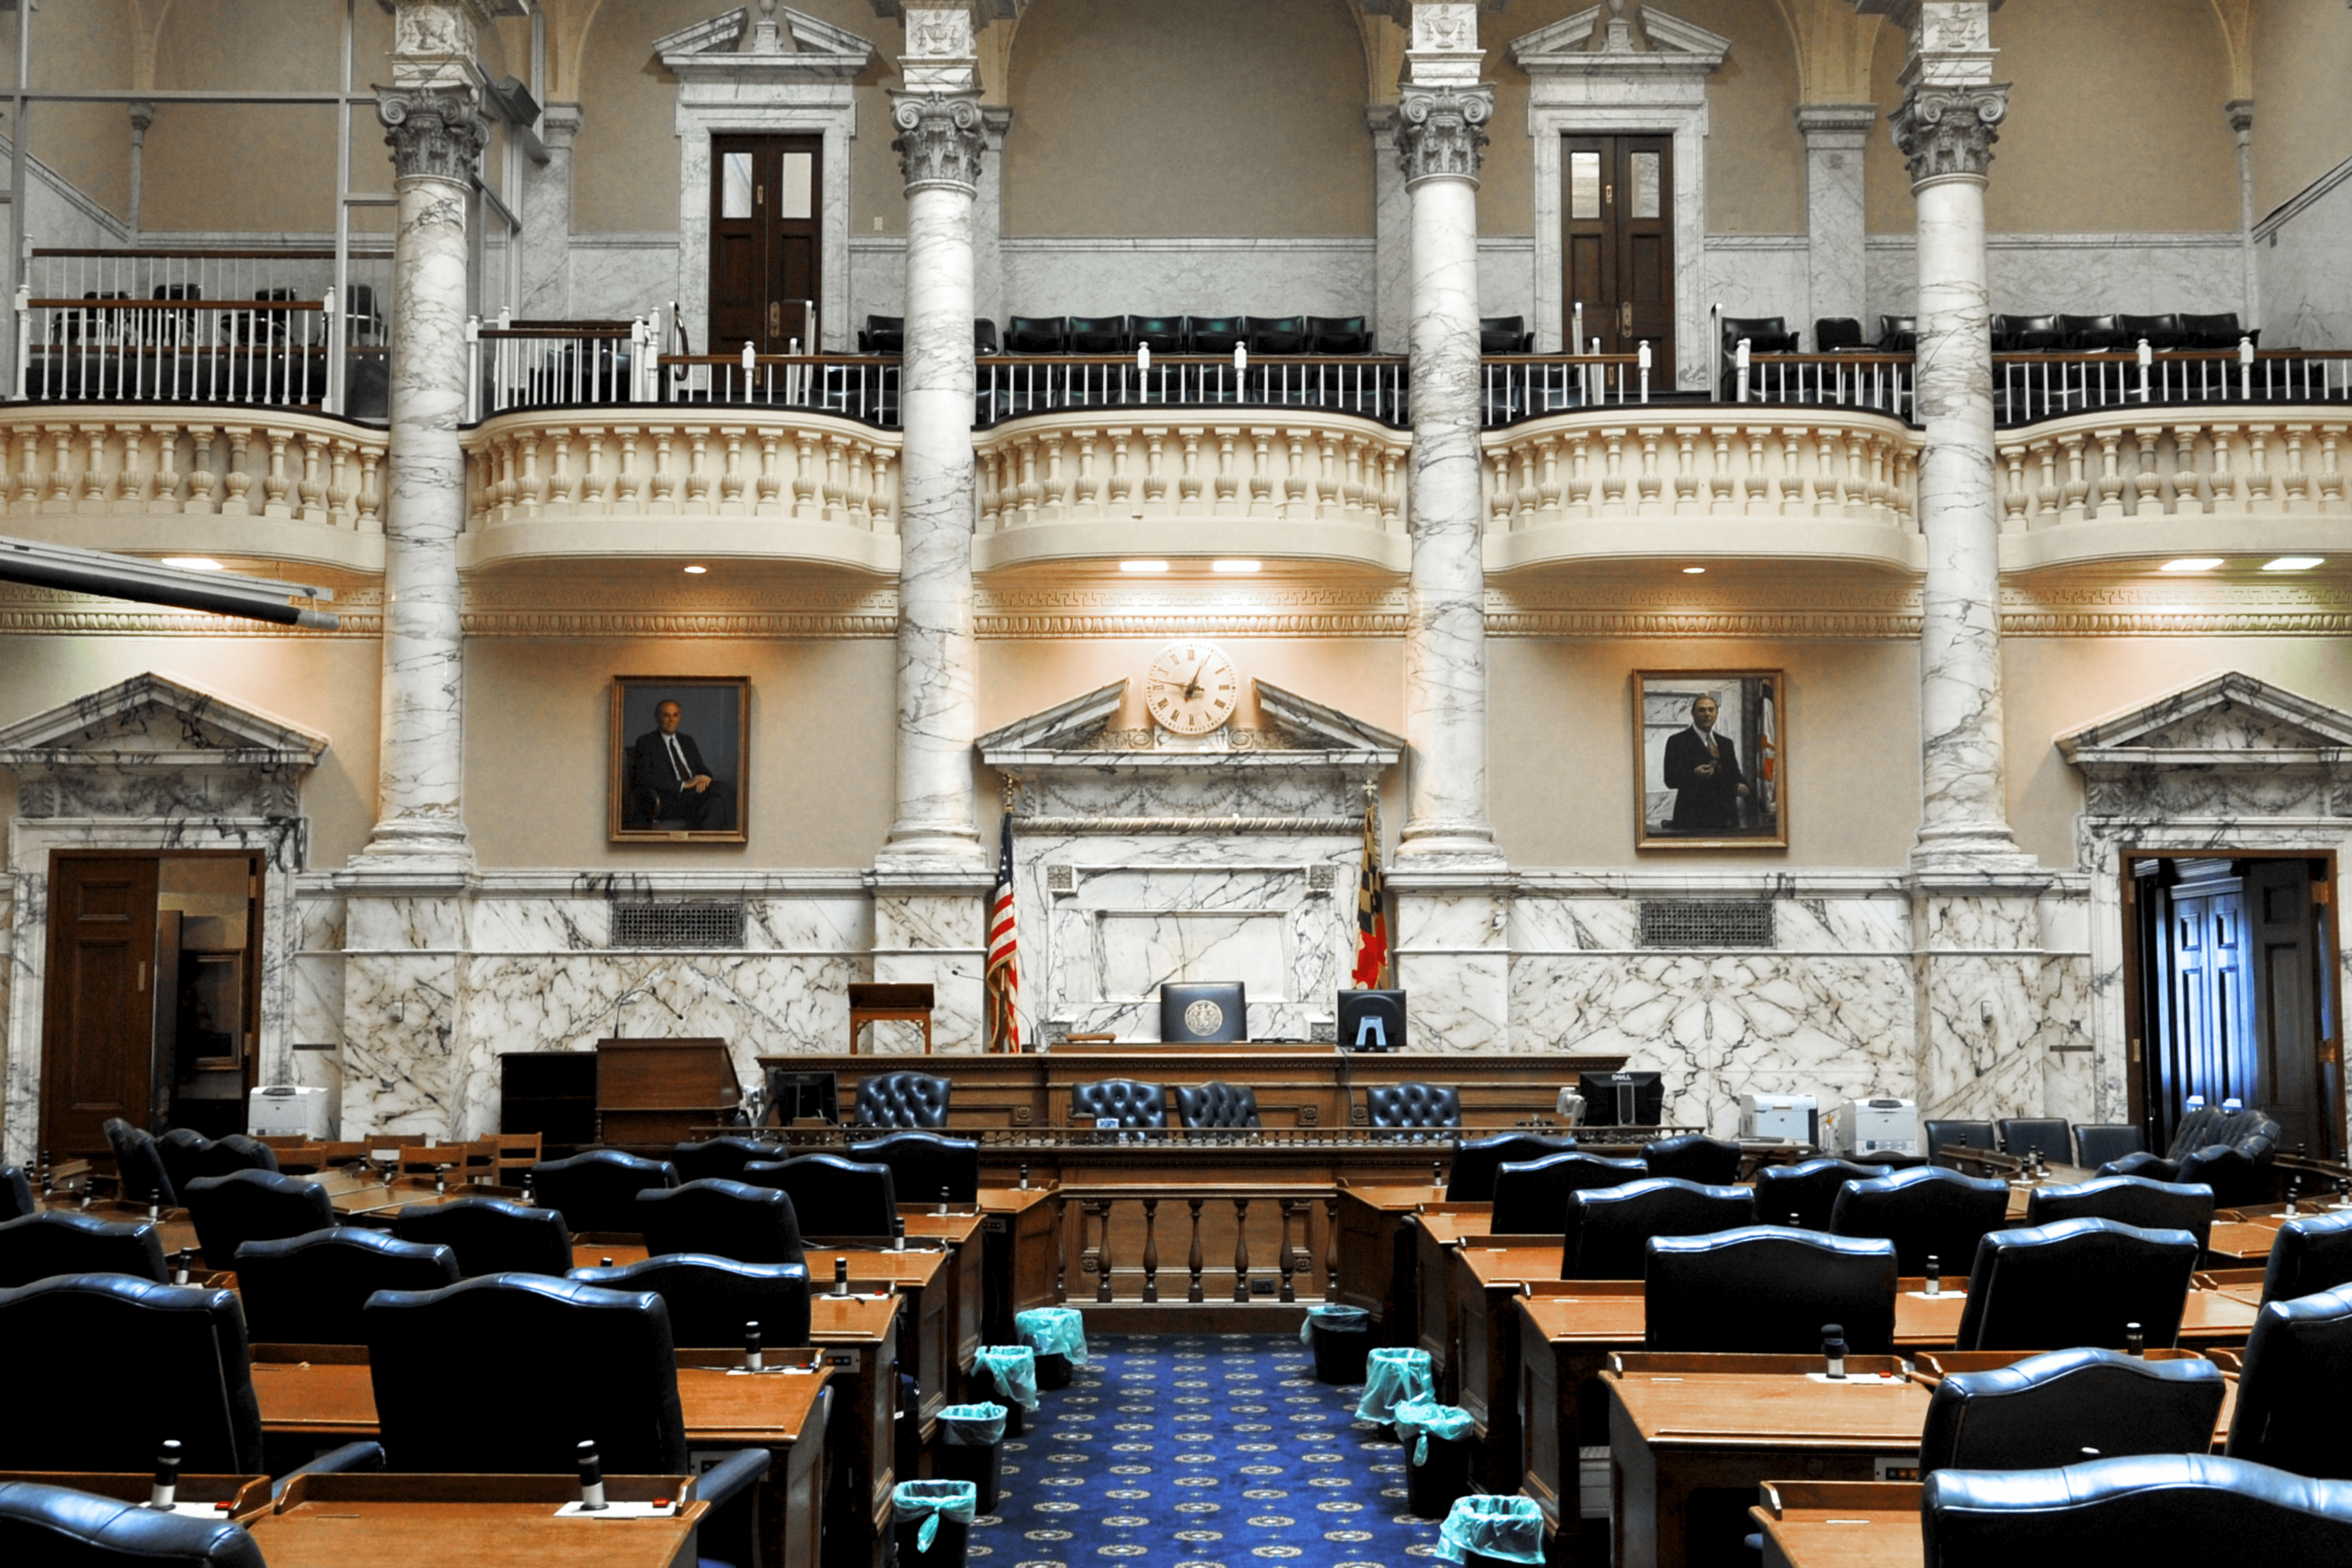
pixel 1431 1489
pixel 1341 1338
pixel 952 1541
pixel 1052 1372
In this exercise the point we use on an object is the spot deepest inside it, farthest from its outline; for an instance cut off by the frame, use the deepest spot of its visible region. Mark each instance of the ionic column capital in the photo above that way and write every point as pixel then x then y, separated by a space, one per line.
pixel 1948 132
pixel 435 133
pixel 941 140
pixel 1441 132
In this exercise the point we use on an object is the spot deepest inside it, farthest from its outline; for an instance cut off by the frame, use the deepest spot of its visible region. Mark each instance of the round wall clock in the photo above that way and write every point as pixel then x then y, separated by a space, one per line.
pixel 1191 688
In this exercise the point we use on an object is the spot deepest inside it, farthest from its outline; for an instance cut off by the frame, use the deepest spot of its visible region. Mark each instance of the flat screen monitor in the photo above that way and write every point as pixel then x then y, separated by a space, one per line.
pixel 1371 1020
pixel 1210 1014
pixel 1622 1098
pixel 803 1096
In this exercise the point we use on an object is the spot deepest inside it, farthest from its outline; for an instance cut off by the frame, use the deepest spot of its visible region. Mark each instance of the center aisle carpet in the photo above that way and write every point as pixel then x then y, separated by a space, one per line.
pixel 1202 1451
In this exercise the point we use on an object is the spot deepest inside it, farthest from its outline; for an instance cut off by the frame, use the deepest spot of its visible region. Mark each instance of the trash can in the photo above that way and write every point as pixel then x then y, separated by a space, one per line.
pixel 1058 1335
pixel 1482 1529
pixel 1436 1440
pixel 1013 1369
pixel 1340 1337
pixel 1392 1376
pixel 933 1522
pixel 972 1449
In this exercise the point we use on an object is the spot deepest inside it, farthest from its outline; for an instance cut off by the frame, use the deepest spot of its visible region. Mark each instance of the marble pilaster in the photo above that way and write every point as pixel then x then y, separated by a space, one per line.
pixel 1835 136
pixel 1392 236
pixel 988 219
pixel 547 220
pixel 2241 111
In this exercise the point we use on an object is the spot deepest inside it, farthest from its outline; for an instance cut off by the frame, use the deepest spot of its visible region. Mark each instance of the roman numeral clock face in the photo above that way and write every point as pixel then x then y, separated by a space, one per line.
pixel 1191 688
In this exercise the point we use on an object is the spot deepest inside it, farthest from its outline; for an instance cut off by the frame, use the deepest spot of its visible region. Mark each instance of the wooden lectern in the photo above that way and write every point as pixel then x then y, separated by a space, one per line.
pixel 873 1003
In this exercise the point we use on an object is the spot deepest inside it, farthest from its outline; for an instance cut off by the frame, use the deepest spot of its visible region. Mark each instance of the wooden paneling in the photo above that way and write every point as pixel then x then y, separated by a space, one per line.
pixel 99 1012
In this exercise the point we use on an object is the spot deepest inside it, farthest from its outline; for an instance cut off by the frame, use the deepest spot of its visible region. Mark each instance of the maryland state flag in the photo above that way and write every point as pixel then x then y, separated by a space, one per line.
pixel 1371 912
pixel 1001 986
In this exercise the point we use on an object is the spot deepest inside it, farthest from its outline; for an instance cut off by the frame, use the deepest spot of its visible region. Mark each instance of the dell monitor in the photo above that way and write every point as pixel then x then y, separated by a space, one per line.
pixel 802 1097
pixel 1622 1098
pixel 1371 1020
pixel 1212 1015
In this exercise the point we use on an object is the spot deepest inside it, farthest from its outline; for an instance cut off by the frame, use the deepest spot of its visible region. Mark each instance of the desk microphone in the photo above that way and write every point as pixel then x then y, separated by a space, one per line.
pixel 48 1180
pixel 1935 1275
pixel 1436 1175
pixel 592 1479
pixel 841 1277
pixel 154 1207
pixel 440 1180
pixel 944 1198
pixel 180 1267
pixel 2294 1192
pixel 1833 1350
pixel 167 1476
pixel 897 1233
pixel 603 1263
pixel 751 1362
pixel 2135 1340
pixel 1024 1178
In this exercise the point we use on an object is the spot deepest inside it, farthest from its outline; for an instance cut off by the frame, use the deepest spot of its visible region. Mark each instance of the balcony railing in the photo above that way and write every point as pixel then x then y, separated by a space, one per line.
pixel 275 355
pixel 555 364
pixel 1879 384
pixel 860 387
pixel 1370 386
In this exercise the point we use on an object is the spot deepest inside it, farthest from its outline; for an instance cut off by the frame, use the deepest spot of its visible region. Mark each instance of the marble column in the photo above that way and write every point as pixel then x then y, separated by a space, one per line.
pixel 547 218
pixel 2241 111
pixel 1836 135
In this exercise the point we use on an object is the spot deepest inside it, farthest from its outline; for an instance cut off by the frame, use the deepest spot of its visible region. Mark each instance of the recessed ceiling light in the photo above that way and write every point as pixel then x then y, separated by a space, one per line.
pixel 2294 563
pixel 194 562
pixel 1143 566
pixel 696 571
pixel 2191 564
pixel 1233 567
pixel 1694 570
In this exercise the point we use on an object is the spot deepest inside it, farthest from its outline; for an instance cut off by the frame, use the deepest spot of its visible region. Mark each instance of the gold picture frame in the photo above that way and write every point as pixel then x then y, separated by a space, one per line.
pixel 1724 787
pixel 651 793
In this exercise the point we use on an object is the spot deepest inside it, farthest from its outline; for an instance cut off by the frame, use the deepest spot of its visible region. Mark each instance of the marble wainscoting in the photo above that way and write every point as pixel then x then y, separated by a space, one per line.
pixel 618 276
pixel 2306 299
pixel 1189 275
pixel 1507 278
pixel 1762 274
pixel 2078 274
pixel 877 278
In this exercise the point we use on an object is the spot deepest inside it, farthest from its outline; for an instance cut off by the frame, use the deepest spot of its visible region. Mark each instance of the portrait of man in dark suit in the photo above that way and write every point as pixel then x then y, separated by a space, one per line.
pixel 1709 758
pixel 1703 770
pixel 679 748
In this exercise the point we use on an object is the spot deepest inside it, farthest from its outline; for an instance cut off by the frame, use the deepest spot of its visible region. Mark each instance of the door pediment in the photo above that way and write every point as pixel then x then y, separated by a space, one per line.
pixel 2226 720
pixel 158 747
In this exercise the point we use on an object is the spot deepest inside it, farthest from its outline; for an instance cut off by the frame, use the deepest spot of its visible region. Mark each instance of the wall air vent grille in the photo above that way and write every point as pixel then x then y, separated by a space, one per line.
pixel 1706 922
pixel 698 923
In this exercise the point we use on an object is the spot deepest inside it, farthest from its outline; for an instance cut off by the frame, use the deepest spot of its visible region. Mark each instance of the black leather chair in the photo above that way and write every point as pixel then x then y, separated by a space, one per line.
pixel 52 1527
pixel 1766 1290
pixel 1099 335
pixel 188 1154
pixel 1694 1157
pixel 1942 1135
pixel 883 335
pixel 309 1289
pixel 2076 1283
pixel 2308 1256
pixel 2049 1136
pixel 1610 1228
pixel 903 1100
pixel 16 1198
pixel 59 1241
pixel 1898 334
pixel 1803 1194
pixel 1217 1103
pixel 2151 1507
pixel 1037 336
pixel 1471 1178
pixel 138 1363
pixel 723 1219
pixel 2027 335
pixel 2221 332
pixel 1337 335
pixel 2043 1412
pixel 1838 334
pixel 1505 335
pixel 1216 334
pixel 2094 334
pixel 2095 1145
pixel 253 1206
pixel 1926 1213
pixel 2196 1130
pixel 139 1166
pixel 983 337
pixel 2127 1200
pixel 598 1190
pixel 2165 332
pixel 490 1235
pixel 832 1196
pixel 1531 1196
pixel 717 1159
pixel 710 1299
pixel 1275 334
pixel 1412 1106
pixel 926 1168
pixel 2237 1173
pixel 1765 335
pixel 1160 334
pixel 1133 1101
pixel 2296 1376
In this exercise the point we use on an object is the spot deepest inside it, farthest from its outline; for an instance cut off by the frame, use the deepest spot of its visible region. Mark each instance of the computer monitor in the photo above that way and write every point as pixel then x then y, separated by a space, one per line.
pixel 803 1096
pixel 1210 1014
pixel 1371 1020
pixel 1622 1098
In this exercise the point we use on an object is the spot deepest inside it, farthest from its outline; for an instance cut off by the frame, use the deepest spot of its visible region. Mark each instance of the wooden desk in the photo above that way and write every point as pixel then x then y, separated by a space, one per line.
pixel 1021 1253
pixel 483 1521
pixel 1840 1524
pixel 1375 1256
pixel 859 1335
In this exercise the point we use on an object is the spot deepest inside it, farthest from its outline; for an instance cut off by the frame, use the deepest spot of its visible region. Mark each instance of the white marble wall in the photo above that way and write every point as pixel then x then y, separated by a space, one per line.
pixel 2305 291
pixel 1760 275
pixel 2078 274
pixel 1182 275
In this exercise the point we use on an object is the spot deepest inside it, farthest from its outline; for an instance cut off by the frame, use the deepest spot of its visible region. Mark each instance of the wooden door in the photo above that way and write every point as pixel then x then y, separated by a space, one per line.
pixel 764 246
pixel 2287 1037
pixel 1618 238
pixel 2208 1033
pixel 99 1006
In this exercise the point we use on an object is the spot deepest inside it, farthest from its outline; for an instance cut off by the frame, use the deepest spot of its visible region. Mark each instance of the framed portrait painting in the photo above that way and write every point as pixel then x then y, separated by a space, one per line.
pixel 681 751
pixel 1710 759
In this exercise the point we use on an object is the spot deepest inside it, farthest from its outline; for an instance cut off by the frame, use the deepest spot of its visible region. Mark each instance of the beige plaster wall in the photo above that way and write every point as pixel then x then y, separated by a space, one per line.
pixel 2303 58
pixel 80 45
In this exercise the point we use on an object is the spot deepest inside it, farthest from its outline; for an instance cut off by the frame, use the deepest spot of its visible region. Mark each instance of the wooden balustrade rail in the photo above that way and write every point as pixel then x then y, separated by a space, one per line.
pixel 1097 1206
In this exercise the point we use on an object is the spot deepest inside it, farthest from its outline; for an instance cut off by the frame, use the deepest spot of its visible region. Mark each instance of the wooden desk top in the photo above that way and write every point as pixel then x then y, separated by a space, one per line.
pixel 952 1227
pixel 1771 1410
pixel 917 1266
pixel 1506 1265
pixel 484 1521
pixel 1015 1200
pixel 851 1320
pixel 1392 1199
pixel 1844 1524
pixel 1611 1312
pixel 2248 1239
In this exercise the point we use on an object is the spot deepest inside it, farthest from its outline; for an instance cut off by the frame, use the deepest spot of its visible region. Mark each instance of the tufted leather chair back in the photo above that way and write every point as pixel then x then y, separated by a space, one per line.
pixel 2296 1376
pixel 1694 1157
pixel 490 1235
pixel 58 1525
pixel 748 1223
pixel 141 1166
pixel 2308 1256
pixel 710 1299
pixel 903 1100
pixel 2150 1507
pixel 2237 1173
pixel 1134 1102
pixel 2048 1135
pixel 832 1196
pixel 59 1241
pixel 2196 1131
pixel 1766 1290
pixel 1412 1105
pixel 1610 1229
pixel 926 1168
pixel 1803 1194
pixel 2152 1206
pixel 2044 1411
pixel 1926 1213
pixel 1217 1103
pixel 1471 1178
pixel 149 1362
pixel 721 1159
pixel 187 1155
pixel 1531 1196
pixel 309 1289
pixel 16 1193
pixel 253 1206
pixel 2074 1283
pixel 598 1190
pixel 558 1361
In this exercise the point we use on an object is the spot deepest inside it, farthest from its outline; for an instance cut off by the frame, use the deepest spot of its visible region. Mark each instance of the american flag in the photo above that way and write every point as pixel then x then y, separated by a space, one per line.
pixel 1002 983
pixel 1371 912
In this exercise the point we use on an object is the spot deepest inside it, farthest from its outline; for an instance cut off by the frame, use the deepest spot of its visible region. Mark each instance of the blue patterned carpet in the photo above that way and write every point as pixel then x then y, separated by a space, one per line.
pixel 1207 1451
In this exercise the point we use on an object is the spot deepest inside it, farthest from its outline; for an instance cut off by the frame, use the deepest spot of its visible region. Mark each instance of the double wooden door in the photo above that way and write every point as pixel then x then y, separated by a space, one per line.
pixel 1618 238
pixel 765 252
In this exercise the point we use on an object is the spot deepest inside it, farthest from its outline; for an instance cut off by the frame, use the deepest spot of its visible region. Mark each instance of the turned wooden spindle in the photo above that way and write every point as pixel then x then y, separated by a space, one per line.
pixel 1102 1254
pixel 1194 1294
pixel 1289 1261
pixel 1150 1249
pixel 1241 1249
pixel 1331 1249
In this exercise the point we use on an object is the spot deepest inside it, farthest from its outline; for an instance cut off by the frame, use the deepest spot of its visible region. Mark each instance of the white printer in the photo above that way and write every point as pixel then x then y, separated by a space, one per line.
pixel 1780 1118
pixel 1880 1124
pixel 285 1111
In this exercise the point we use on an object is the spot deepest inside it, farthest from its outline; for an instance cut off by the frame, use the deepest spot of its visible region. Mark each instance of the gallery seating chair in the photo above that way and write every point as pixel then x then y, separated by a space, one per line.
pixel 1217 335
pixel 832 1196
pixel 2048 1136
pixel 1694 1157
pixel 1217 1104
pixel 883 335
pixel 253 1206
pixel 59 1241
pixel 926 1168
pixel 139 1166
pixel 2045 1411
pixel 710 1299
pixel 2095 1145
pixel 1275 334
pixel 2309 1255
pixel 904 1099
pixel 309 1289
pixel 1412 1107
pixel 1764 334
pixel 1766 1290
pixel 983 338
pixel 1610 1228
pixel 490 1235
pixel 721 1159
pixel 2216 333
pixel 16 1198
pixel 1505 335
pixel 1160 334
pixel 2159 332
pixel 1927 1212
pixel 50 1525
pixel 1099 335
pixel 1942 1135
pixel 2078 1282
pixel 1531 1196
pixel 1337 335
pixel 1838 334
pixel 1135 1103
pixel 188 1154
pixel 1037 336
pixel 1898 334
pixel 2144 1508
pixel 725 1219
pixel 2294 1377
pixel 1470 1179
pixel 2027 335
pixel 2094 334
pixel 598 1190
pixel 2151 1205
pixel 1803 1195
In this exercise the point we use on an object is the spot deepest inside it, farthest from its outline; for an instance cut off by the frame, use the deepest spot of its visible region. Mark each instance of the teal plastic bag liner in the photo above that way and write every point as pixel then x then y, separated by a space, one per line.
pixel 1418 1420
pixel 973 1426
pixel 1392 1377
pixel 932 1501
pixel 1015 1367
pixel 1509 1528
pixel 1333 1319
pixel 1053 1331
